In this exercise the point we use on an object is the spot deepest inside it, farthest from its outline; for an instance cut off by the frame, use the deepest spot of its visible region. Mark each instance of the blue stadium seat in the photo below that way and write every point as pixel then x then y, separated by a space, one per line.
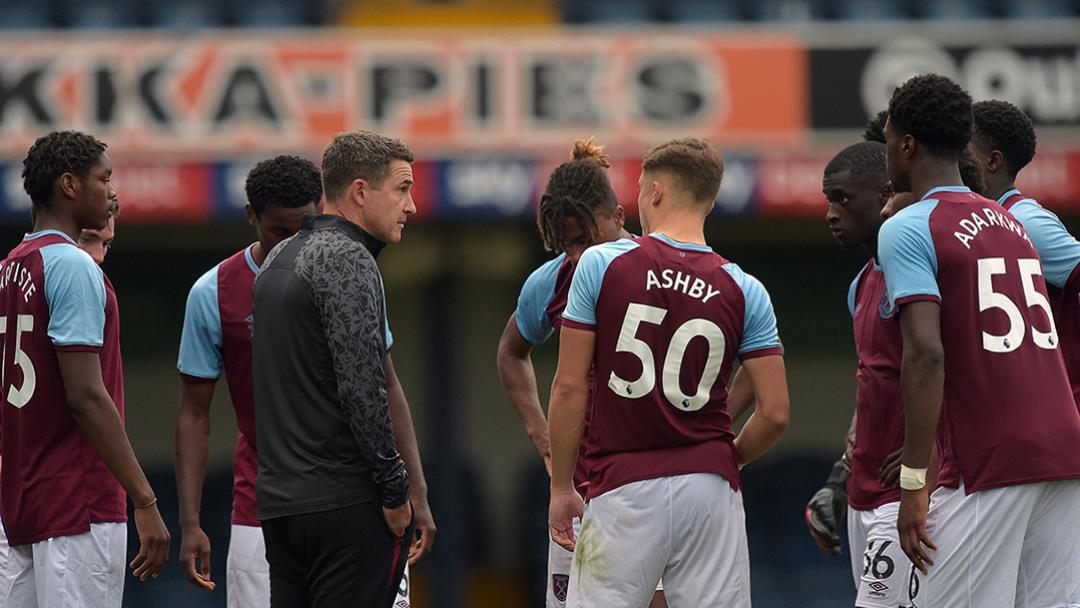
pixel 703 11
pixel 872 10
pixel 185 14
pixel 100 14
pixel 1027 9
pixel 25 14
pixel 953 9
pixel 784 10
pixel 610 11
pixel 271 13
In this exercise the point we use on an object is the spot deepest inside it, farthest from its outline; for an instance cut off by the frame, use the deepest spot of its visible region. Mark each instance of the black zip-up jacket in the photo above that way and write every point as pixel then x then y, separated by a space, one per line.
pixel 322 418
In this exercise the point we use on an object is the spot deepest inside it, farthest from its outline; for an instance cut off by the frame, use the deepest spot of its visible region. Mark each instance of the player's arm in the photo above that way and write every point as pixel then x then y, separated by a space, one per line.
pixel 922 379
pixel 405 436
pixel 740 394
pixel 356 338
pixel 907 255
pixel 771 414
pixel 75 292
pixel 566 414
pixel 518 378
pixel 200 364
pixel 99 420
pixel 827 508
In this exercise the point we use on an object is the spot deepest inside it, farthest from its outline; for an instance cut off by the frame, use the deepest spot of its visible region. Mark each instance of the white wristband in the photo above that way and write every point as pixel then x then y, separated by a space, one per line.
pixel 912 479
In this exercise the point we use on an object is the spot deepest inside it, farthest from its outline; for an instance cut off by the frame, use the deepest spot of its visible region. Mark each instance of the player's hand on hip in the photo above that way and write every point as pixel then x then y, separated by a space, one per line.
pixel 890 470
pixel 425 529
pixel 153 543
pixel 911 526
pixel 398 518
pixel 195 557
pixel 565 506
pixel 826 510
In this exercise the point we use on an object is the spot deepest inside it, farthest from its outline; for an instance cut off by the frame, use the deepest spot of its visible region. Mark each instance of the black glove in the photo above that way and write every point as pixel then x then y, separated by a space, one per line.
pixel 826 510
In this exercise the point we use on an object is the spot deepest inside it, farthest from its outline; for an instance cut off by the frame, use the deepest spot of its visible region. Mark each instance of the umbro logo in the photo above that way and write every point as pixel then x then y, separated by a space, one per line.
pixel 878 586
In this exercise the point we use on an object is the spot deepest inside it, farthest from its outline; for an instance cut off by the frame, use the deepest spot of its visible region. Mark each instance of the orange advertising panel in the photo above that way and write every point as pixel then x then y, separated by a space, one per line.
pixel 515 91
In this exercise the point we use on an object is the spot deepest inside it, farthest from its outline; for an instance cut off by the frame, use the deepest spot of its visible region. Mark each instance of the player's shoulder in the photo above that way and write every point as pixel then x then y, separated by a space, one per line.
pixel 748 283
pixel 547 271
pixel 911 221
pixel 65 260
pixel 604 253
pixel 208 282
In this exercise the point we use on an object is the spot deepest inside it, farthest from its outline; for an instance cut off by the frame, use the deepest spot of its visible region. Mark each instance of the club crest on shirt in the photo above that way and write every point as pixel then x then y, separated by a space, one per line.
pixel 886 310
pixel 560 583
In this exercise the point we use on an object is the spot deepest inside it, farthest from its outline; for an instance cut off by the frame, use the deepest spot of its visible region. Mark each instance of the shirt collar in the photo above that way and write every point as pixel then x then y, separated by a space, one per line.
pixel 679 244
pixel 33 235
pixel 356 233
pixel 1005 197
pixel 933 191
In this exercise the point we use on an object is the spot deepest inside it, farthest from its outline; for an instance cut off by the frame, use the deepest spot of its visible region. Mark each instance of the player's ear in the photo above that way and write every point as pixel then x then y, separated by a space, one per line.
pixel 69 185
pixel 658 188
pixel 249 211
pixel 619 216
pixel 907 146
pixel 358 191
pixel 996 162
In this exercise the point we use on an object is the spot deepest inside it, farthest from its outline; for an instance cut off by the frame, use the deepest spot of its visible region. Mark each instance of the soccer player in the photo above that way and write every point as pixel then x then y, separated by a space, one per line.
pixel 66 459
pixel 1003 143
pixel 216 340
pixel 980 354
pixel 656 322
pixel 578 209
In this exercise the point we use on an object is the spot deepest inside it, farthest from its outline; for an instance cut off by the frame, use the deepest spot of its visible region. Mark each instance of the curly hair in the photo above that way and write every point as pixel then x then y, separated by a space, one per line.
pixel 875 127
pixel 865 160
pixel 360 155
pixel 283 181
pixel 696 166
pixel 935 110
pixel 1004 127
pixel 55 154
pixel 578 189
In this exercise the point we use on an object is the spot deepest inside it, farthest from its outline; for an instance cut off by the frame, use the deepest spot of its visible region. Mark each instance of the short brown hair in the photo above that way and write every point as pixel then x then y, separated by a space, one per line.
pixel 359 155
pixel 694 163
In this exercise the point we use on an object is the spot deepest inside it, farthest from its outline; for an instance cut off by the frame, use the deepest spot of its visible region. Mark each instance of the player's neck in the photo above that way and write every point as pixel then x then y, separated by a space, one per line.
pixel 681 226
pixel 995 191
pixel 351 215
pixel 934 175
pixel 258 254
pixel 45 219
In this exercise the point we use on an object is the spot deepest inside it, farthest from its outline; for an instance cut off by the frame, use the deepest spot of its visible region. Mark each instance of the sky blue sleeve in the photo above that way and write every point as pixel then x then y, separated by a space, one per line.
pixel 75 292
pixel 386 320
pixel 852 292
pixel 906 252
pixel 536 294
pixel 200 341
pixel 585 287
pixel 1058 250
pixel 759 323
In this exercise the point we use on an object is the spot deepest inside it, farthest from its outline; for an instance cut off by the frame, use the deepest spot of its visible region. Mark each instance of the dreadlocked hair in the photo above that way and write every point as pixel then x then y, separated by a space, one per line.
pixel 577 189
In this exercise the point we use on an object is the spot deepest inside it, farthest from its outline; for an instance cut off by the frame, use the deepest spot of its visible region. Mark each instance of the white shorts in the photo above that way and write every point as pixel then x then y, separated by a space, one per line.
pixel 80 571
pixel 881 570
pixel 247 573
pixel 1005 547
pixel 688 529
pixel 559 562
pixel 5 575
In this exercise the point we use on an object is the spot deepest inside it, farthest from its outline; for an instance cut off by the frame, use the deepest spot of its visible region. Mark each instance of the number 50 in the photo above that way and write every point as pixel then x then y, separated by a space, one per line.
pixel 628 342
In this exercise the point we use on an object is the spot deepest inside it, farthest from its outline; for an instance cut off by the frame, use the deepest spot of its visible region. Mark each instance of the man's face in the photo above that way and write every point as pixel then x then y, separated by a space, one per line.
pixel 277 223
pixel 386 209
pixel 897 166
pixel 96 196
pixel 854 208
pixel 574 241
pixel 97 242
